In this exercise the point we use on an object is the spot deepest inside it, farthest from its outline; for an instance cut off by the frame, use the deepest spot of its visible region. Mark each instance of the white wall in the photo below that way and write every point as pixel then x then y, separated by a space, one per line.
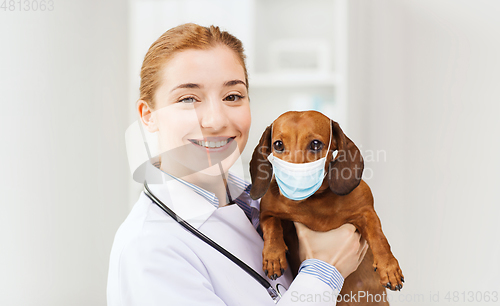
pixel 424 88
pixel 63 165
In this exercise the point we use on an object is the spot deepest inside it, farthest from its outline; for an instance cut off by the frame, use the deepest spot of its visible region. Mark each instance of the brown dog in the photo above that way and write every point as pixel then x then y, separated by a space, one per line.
pixel 300 137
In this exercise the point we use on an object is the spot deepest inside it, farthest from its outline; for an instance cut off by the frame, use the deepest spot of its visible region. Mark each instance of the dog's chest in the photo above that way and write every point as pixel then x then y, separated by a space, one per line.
pixel 318 213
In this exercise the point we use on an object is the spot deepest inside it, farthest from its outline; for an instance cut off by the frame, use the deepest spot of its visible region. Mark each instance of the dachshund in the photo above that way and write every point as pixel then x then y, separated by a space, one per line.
pixel 343 197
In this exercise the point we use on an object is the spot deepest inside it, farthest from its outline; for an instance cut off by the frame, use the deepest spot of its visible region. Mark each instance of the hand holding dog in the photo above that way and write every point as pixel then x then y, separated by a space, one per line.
pixel 343 247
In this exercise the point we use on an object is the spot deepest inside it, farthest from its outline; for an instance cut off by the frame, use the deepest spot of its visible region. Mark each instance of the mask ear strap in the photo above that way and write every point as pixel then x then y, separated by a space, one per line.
pixel 271 148
pixel 330 140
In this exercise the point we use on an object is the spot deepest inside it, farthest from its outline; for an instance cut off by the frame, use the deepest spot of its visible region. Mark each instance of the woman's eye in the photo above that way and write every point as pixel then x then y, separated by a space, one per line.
pixel 188 100
pixel 316 145
pixel 278 146
pixel 233 98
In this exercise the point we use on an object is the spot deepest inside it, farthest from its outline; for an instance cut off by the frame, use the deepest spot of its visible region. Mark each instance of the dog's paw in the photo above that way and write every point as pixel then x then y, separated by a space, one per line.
pixel 274 260
pixel 391 276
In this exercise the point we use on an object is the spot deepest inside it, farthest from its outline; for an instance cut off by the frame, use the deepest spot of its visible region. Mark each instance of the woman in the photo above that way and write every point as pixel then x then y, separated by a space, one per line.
pixel 194 95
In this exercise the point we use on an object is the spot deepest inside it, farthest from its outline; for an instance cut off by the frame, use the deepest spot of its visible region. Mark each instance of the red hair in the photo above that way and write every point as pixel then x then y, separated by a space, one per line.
pixel 178 39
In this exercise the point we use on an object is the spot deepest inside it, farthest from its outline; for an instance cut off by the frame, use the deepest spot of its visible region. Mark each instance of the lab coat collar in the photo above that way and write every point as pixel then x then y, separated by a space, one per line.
pixel 181 199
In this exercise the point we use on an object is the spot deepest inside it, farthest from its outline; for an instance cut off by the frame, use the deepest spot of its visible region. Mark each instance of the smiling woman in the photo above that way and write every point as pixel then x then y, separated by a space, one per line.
pixel 202 115
pixel 194 96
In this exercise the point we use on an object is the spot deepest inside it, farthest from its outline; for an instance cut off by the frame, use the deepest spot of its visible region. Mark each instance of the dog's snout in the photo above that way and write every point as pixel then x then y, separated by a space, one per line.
pixel 299 156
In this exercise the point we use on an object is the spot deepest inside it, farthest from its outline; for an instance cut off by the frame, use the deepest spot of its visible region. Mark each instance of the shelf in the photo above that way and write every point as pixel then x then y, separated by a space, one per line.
pixel 293 79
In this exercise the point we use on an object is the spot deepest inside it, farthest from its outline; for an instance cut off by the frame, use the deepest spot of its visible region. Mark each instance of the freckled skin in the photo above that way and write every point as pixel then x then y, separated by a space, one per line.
pixel 322 211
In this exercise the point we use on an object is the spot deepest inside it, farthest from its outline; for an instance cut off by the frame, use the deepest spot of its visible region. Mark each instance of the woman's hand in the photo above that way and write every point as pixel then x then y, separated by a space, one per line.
pixel 343 247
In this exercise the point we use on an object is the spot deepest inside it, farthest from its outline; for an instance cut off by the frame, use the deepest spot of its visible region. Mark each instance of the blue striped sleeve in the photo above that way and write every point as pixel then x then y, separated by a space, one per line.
pixel 325 272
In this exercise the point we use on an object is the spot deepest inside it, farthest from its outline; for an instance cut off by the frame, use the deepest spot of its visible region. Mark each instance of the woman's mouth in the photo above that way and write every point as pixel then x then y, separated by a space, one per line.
pixel 212 142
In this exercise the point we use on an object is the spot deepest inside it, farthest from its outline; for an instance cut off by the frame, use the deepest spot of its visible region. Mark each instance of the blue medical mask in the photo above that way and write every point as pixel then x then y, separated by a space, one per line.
pixel 298 181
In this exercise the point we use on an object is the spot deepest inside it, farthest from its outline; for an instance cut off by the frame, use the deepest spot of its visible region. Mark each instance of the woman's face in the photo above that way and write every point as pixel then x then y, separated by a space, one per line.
pixel 202 111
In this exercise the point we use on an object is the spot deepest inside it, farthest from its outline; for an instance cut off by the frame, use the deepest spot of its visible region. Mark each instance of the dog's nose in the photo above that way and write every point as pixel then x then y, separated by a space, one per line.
pixel 299 156
pixel 291 156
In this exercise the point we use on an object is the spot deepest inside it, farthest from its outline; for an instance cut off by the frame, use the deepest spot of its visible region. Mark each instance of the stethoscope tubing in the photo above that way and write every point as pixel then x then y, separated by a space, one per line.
pixel 274 294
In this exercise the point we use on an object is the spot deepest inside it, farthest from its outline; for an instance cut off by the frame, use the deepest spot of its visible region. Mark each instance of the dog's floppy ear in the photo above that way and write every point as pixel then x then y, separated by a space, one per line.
pixel 345 170
pixel 261 169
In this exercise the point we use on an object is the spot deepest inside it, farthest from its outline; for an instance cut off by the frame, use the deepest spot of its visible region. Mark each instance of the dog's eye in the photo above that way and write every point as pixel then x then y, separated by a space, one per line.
pixel 316 145
pixel 278 145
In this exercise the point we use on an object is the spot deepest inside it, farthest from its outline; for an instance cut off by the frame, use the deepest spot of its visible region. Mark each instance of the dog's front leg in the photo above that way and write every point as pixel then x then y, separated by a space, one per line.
pixel 274 253
pixel 384 261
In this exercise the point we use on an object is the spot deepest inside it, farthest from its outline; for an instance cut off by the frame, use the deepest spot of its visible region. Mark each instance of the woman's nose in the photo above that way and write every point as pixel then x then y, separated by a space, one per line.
pixel 212 116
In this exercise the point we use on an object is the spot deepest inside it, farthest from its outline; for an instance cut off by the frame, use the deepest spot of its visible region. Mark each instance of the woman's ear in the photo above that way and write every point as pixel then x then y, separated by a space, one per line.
pixel 261 169
pixel 345 171
pixel 147 116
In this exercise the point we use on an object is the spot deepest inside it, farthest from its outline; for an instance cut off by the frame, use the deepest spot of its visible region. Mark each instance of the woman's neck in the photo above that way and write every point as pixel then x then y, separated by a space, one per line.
pixel 214 184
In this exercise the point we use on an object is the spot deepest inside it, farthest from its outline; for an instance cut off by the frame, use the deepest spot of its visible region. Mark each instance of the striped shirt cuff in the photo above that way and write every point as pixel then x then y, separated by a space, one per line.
pixel 325 272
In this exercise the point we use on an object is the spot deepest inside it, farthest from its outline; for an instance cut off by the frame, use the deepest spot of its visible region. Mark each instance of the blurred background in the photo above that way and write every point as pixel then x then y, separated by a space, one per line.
pixel 414 83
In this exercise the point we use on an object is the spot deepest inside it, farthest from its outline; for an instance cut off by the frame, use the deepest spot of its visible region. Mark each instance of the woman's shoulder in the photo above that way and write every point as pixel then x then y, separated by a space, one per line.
pixel 147 229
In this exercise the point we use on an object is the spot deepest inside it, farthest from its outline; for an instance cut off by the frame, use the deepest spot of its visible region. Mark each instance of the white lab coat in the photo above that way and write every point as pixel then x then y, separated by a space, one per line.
pixel 154 261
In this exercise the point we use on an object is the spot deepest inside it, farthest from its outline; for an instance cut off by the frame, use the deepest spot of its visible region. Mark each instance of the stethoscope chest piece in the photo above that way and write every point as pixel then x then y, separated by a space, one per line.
pixel 281 289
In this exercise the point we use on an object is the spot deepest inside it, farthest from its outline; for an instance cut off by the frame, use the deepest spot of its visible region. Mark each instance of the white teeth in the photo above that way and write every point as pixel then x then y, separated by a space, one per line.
pixel 212 144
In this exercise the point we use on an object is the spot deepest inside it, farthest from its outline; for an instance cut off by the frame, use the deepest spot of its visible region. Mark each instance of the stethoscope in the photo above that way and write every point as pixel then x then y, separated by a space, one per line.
pixel 274 293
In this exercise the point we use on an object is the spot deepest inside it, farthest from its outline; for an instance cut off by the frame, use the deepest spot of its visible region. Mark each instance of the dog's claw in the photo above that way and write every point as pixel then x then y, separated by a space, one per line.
pixel 274 259
pixel 402 279
pixel 391 276
pixel 375 269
